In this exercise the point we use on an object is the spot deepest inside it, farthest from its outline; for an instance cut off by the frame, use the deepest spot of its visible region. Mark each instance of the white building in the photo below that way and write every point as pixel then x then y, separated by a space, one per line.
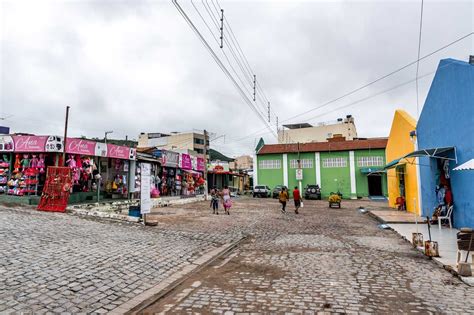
pixel 304 132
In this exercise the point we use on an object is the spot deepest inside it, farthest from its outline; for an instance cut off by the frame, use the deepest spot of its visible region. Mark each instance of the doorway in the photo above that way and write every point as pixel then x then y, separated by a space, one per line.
pixel 375 185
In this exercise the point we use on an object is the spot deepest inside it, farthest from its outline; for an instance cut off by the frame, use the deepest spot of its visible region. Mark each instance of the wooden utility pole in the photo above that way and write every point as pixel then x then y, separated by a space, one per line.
pixel 65 135
pixel 205 164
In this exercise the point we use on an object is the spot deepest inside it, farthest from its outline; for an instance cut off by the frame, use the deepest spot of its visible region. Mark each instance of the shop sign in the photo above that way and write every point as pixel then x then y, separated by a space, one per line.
pixel 200 164
pixel 6 144
pixel 169 158
pixel 186 163
pixel 54 144
pixel 299 174
pixel 219 167
pixel 100 149
pixel 80 146
pixel 145 189
pixel 118 152
pixel 194 162
pixel 30 143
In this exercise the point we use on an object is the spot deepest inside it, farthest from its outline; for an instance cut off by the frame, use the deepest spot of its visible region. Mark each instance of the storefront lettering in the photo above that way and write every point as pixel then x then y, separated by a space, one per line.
pixel 30 143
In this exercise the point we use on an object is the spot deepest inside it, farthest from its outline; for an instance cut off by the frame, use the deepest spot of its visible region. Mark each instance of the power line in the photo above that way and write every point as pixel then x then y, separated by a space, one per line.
pixel 218 61
pixel 418 61
pixel 377 80
pixel 215 20
pixel 360 100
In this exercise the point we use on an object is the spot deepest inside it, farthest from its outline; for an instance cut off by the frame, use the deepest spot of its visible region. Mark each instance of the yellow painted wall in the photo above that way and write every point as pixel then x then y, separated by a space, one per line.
pixel 400 144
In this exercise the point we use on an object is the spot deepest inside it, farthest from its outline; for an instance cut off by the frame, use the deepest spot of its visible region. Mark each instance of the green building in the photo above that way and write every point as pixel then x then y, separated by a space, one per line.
pixel 355 168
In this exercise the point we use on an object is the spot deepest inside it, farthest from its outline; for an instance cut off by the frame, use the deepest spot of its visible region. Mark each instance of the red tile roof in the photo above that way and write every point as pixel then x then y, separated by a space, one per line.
pixel 370 143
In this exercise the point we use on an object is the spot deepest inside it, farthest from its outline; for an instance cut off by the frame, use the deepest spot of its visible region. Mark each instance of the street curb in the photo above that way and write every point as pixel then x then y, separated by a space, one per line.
pixel 448 268
pixel 165 287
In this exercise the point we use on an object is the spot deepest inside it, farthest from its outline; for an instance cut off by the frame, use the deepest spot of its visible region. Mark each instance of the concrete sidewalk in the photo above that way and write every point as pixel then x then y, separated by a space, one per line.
pixel 446 239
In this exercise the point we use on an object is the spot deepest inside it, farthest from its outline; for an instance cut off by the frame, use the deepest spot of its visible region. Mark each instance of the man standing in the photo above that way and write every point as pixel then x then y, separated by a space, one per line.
pixel 283 197
pixel 297 199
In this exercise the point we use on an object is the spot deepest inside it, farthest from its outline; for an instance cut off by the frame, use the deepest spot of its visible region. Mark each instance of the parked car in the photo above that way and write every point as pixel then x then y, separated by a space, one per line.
pixel 312 192
pixel 276 191
pixel 262 191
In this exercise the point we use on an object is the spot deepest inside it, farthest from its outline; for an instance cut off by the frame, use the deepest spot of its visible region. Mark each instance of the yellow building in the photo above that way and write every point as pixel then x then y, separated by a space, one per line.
pixel 402 174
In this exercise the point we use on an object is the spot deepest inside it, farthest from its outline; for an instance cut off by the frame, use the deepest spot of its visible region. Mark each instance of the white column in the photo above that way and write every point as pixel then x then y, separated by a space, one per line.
pixel 353 175
pixel 285 169
pixel 317 167
pixel 255 170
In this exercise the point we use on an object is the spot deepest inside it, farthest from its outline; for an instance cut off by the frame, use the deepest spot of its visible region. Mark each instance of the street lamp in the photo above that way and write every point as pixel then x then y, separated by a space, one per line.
pixel 106 133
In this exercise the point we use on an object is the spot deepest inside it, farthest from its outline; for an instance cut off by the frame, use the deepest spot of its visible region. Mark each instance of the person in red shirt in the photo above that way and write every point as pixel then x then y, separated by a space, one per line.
pixel 297 199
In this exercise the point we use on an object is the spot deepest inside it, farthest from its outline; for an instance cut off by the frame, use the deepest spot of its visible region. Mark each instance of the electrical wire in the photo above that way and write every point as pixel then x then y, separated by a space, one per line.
pixel 418 61
pixel 218 61
pixel 376 80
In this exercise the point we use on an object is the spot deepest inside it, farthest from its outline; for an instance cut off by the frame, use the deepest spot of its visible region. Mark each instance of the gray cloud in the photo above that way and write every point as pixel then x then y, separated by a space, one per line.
pixel 134 66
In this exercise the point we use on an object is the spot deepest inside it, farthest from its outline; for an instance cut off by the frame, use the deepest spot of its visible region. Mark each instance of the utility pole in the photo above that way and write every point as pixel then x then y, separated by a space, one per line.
pixel 268 111
pixel 222 28
pixel 65 135
pixel 205 163
pixel 299 168
pixel 254 83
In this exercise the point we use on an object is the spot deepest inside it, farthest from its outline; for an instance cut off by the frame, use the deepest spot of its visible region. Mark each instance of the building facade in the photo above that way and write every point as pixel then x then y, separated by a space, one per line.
pixel 305 132
pixel 402 176
pixel 445 133
pixel 355 168
pixel 244 162
pixel 175 141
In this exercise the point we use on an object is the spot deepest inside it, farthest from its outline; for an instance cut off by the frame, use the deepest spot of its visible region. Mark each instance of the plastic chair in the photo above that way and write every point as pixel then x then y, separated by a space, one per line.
pixel 446 217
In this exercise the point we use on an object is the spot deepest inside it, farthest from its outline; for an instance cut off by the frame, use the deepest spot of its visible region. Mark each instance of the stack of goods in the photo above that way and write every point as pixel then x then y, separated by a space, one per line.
pixel 4 172
pixel 24 180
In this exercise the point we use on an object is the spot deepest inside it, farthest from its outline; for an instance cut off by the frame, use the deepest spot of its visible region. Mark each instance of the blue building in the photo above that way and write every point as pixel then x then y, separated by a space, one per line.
pixel 445 136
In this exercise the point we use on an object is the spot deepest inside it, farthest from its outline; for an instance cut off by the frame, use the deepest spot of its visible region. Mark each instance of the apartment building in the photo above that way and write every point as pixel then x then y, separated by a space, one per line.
pixel 175 141
pixel 321 132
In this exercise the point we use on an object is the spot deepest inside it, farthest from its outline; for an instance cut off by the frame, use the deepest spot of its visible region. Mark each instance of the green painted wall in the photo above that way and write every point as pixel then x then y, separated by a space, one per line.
pixel 330 174
pixel 361 179
pixel 273 177
pixel 270 177
pixel 309 174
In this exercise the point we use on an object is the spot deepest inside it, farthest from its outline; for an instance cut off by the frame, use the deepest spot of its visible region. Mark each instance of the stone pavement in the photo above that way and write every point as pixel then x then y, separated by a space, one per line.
pixel 60 263
pixel 330 260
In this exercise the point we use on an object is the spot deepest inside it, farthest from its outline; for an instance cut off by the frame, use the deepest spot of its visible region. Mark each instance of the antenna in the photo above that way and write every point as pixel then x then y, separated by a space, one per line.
pixel 254 82
pixel 268 111
pixel 222 28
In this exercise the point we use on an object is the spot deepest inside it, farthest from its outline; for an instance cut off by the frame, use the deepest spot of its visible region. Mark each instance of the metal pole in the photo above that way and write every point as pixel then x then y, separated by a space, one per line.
pixel 299 167
pixel 65 135
pixel 98 182
pixel 205 164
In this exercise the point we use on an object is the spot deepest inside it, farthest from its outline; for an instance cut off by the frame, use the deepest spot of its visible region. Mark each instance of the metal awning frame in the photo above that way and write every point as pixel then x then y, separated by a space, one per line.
pixel 427 153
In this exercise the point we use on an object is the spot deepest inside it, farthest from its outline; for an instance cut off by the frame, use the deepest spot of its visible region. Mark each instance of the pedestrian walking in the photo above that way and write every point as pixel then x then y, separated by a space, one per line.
pixel 283 198
pixel 297 199
pixel 227 202
pixel 215 200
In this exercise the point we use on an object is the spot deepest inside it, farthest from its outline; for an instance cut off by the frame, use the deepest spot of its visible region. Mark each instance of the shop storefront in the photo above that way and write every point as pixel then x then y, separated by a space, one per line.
pixel 95 167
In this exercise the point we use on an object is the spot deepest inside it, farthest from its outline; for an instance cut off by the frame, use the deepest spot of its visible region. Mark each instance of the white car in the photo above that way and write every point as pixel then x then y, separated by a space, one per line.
pixel 262 191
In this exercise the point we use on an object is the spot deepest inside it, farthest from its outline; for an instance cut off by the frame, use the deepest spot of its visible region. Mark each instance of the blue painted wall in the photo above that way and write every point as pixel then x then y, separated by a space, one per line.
pixel 447 119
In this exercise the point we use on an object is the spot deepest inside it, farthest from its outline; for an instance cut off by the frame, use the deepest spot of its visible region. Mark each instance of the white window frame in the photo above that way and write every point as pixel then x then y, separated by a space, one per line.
pixel 367 161
pixel 305 163
pixel 269 164
pixel 335 162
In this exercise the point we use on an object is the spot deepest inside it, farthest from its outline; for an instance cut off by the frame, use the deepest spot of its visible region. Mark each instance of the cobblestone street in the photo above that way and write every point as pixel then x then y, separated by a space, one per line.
pixel 322 259
pixel 62 263
pixel 319 260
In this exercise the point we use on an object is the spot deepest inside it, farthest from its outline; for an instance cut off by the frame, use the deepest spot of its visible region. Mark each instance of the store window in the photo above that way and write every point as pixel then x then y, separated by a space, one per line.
pixel 269 164
pixel 335 162
pixel 365 161
pixel 305 163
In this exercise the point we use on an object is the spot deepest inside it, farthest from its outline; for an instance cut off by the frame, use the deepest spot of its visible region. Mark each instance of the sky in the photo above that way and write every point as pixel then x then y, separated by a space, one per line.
pixel 137 66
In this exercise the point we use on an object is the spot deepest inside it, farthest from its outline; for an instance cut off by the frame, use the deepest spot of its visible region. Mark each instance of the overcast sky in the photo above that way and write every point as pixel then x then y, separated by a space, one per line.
pixel 136 66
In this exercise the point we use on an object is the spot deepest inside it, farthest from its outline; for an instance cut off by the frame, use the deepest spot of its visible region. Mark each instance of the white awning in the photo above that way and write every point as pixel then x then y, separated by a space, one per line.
pixel 469 165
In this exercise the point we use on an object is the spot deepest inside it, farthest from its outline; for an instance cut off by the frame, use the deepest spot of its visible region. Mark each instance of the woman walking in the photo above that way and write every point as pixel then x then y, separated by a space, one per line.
pixel 283 198
pixel 227 202
pixel 215 200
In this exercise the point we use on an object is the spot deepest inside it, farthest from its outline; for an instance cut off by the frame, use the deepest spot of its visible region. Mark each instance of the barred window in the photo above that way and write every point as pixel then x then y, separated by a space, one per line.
pixel 305 163
pixel 364 161
pixel 335 162
pixel 269 164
